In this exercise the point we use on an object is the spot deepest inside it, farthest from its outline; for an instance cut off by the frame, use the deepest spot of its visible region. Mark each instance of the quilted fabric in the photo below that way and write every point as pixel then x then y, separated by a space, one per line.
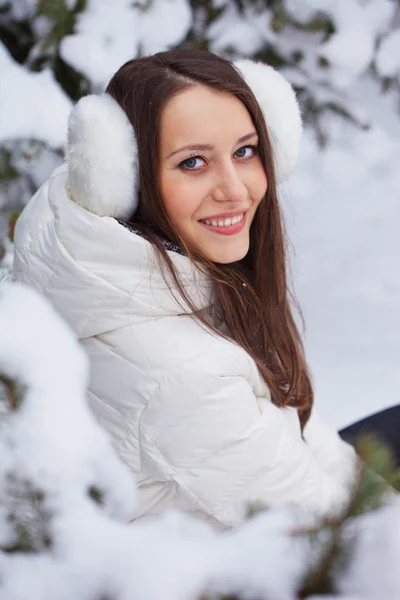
pixel 186 410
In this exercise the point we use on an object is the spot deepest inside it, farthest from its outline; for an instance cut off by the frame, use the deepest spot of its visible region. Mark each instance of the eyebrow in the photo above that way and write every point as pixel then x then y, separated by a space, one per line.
pixel 203 147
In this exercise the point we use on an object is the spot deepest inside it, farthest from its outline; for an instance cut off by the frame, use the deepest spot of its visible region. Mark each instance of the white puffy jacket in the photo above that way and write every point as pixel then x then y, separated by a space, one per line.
pixel 187 411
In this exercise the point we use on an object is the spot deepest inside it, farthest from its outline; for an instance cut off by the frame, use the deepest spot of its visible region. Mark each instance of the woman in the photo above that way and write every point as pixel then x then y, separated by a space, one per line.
pixel 160 241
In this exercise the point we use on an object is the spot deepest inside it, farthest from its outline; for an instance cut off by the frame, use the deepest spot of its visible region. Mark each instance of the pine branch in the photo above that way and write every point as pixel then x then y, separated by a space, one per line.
pixel 29 516
pixel 11 392
pixel 377 473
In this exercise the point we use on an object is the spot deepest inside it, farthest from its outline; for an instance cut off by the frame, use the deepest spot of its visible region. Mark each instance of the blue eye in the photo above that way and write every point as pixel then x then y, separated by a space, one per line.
pixel 191 163
pixel 246 152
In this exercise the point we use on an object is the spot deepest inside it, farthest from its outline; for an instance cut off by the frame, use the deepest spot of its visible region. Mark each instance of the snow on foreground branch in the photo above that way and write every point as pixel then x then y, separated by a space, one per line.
pixel 65 502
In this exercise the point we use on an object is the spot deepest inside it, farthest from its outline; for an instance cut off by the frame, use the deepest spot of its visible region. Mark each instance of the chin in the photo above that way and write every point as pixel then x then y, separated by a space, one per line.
pixel 224 256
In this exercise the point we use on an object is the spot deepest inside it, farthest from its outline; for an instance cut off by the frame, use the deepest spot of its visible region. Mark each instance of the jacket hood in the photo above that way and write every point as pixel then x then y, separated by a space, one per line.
pixel 99 275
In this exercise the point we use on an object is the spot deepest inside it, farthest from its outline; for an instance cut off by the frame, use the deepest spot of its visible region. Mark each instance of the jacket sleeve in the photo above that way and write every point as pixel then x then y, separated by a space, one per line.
pixel 221 447
pixel 336 457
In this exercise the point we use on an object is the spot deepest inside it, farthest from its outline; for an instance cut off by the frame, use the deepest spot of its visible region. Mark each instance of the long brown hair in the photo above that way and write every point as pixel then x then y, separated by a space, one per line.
pixel 252 293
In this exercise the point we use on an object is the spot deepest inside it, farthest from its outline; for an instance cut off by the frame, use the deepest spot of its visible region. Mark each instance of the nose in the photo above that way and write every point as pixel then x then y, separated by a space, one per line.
pixel 229 186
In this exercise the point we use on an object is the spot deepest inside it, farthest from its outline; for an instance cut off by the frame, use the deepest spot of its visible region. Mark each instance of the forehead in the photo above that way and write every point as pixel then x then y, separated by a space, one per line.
pixel 201 114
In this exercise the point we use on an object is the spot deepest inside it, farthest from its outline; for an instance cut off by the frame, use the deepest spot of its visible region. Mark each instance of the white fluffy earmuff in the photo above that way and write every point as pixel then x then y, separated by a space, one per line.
pixel 102 157
pixel 102 153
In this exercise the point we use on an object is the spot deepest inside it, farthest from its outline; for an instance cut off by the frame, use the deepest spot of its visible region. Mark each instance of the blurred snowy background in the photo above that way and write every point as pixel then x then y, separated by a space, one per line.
pixel 343 202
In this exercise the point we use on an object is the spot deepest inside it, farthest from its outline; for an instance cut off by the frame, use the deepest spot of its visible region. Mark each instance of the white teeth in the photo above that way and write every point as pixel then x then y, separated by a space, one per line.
pixel 225 222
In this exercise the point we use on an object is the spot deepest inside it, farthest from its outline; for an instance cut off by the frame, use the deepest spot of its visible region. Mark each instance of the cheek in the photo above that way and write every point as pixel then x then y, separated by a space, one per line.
pixel 174 199
pixel 178 197
pixel 169 192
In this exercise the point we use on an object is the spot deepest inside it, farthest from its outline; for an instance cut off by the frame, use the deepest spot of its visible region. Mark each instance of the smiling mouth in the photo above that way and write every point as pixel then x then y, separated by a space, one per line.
pixel 225 227
pixel 223 222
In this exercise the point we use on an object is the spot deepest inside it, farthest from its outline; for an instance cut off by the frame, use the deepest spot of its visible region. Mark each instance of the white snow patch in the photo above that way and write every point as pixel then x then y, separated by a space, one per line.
pixel 109 34
pixel 164 25
pixel 32 105
pixel 388 56
pixel 20 9
pixel 343 217
pixel 53 439
pixel 105 38
pixel 244 34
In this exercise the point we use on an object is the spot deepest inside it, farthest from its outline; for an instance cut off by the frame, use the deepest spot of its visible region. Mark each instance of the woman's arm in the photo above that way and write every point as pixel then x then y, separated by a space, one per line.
pixel 221 448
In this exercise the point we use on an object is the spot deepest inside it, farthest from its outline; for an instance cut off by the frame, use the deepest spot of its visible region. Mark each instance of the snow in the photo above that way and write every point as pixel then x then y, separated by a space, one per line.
pixel 54 406
pixel 32 105
pixel 109 34
pixel 388 57
pixel 354 38
pixel 165 24
pixel 380 529
pixel 350 50
pixel 244 563
pixel 343 216
pixel 233 31
pixel 105 38
pixel 20 9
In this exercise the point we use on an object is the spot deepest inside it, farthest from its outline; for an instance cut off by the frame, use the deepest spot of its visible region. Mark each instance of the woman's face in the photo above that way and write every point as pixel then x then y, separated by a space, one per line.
pixel 211 177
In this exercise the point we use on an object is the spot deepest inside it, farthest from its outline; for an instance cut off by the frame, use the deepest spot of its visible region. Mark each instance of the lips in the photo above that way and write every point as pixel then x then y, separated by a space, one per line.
pixel 226 215
pixel 220 222
pixel 226 229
